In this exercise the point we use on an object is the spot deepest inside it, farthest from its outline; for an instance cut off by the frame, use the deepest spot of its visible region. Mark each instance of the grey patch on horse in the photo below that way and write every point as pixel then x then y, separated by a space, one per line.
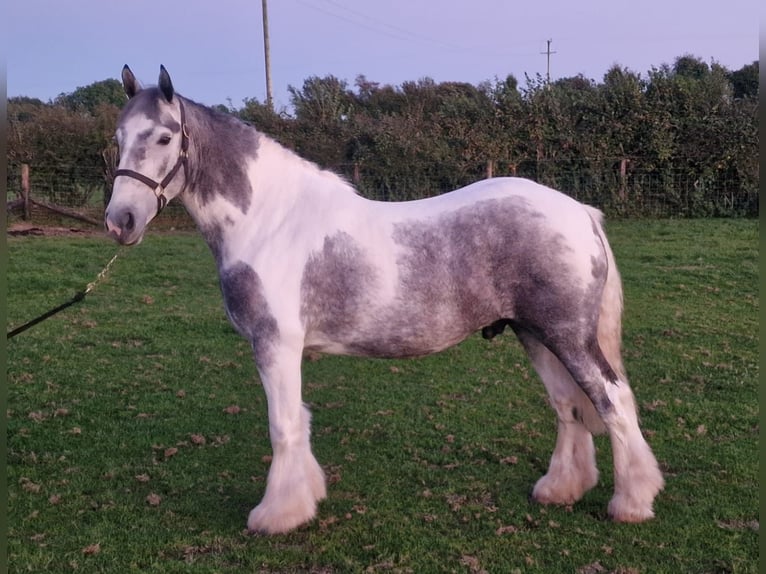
pixel 334 288
pixel 473 268
pixel 164 166
pixel 597 395
pixel 606 369
pixel 569 342
pixel 248 310
pixel 566 322
pixel 580 363
pixel 579 360
pixel 169 124
pixel 224 145
pixel 146 102
pixel 213 235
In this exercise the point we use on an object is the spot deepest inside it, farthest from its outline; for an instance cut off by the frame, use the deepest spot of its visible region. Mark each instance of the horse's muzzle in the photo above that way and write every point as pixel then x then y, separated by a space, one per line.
pixel 122 227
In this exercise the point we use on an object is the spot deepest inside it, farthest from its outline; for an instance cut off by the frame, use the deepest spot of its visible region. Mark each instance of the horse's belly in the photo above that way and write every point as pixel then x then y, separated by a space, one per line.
pixel 420 320
pixel 394 341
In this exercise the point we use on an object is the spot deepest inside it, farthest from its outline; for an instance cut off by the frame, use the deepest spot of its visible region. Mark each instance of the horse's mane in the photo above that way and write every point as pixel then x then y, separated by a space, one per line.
pixel 232 129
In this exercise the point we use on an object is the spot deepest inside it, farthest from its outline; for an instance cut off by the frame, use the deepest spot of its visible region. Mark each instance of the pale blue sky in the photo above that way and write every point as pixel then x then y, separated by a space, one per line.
pixel 213 49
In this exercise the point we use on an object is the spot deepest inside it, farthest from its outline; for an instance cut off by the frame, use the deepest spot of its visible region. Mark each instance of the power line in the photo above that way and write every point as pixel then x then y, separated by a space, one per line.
pixel 373 24
pixel 389 26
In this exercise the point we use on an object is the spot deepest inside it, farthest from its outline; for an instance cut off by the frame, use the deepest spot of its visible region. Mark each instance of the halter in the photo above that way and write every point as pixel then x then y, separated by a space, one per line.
pixel 159 188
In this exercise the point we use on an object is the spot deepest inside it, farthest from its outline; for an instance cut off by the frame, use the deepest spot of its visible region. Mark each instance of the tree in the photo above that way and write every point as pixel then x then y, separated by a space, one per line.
pixel 625 114
pixel 507 143
pixel 323 107
pixel 23 109
pixel 744 81
pixel 88 98
pixel 321 101
pixel 690 66
pixel 265 119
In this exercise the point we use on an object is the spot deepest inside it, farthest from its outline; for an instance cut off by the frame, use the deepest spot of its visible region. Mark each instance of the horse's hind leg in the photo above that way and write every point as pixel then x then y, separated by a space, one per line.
pixel 295 482
pixel 572 470
pixel 637 477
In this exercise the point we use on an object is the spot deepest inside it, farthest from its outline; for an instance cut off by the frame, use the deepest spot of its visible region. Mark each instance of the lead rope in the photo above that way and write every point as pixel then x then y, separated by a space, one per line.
pixel 79 296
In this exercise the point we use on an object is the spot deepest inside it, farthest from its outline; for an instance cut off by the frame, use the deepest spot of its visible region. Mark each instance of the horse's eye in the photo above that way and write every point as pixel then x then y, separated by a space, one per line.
pixel 164 140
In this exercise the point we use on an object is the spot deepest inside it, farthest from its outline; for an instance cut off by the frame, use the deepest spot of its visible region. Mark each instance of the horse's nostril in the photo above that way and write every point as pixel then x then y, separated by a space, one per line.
pixel 130 222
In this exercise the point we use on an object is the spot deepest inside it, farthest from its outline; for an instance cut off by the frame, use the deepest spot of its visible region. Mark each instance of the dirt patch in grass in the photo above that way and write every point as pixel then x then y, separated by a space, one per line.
pixel 25 229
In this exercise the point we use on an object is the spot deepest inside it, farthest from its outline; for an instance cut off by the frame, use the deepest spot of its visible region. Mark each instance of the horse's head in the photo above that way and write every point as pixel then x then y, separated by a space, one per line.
pixel 153 141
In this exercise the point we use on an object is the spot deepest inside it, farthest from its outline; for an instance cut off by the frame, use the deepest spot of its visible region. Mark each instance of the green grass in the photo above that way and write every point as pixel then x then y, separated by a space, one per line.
pixel 127 454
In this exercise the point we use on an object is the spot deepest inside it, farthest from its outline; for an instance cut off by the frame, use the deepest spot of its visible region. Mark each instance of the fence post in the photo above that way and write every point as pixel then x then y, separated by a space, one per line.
pixel 25 189
pixel 490 168
pixel 623 178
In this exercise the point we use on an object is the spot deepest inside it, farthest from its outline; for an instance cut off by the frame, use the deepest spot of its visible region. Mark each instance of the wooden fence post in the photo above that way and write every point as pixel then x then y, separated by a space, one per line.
pixel 490 168
pixel 623 178
pixel 25 189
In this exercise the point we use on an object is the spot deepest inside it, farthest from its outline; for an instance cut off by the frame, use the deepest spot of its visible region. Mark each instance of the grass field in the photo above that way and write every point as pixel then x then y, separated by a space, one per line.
pixel 138 441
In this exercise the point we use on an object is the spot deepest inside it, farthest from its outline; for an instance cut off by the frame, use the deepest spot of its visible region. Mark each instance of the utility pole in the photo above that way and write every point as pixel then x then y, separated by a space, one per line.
pixel 548 53
pixel 267 56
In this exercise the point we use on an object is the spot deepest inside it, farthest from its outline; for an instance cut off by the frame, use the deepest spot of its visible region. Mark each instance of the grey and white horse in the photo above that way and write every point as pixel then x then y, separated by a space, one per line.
pixel 307 264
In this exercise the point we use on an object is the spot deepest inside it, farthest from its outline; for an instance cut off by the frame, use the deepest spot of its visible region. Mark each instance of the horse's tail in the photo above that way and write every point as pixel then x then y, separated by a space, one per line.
pixel 610 316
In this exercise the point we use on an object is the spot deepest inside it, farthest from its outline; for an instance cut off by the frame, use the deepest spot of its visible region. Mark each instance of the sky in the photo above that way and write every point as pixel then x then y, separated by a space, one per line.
pixel 213 49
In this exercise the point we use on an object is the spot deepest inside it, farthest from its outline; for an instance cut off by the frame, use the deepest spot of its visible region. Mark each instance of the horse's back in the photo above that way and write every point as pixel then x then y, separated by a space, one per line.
pixel 519 189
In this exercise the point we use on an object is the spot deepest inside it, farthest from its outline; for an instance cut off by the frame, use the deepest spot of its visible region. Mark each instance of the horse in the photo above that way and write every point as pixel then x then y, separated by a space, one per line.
pixel 305 263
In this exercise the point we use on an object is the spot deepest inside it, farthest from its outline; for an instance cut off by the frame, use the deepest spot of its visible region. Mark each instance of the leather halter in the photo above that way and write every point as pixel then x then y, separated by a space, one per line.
pixel 159 187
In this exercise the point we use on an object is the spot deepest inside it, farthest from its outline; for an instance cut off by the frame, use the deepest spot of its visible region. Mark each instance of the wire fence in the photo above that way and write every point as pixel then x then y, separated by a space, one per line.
pixel 639 191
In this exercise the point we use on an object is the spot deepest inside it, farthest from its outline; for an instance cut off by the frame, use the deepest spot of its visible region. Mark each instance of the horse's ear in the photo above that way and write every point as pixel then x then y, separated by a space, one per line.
pixel 129 82
pixel 166 86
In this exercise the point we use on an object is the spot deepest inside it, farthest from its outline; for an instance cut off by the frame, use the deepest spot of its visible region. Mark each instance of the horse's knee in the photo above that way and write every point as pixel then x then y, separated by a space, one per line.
pixel 289 431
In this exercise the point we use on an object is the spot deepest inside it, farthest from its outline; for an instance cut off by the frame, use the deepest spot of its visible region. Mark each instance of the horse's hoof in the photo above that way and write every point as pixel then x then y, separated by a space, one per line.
pixel 623 509
pixel 562 490
pixel 265 519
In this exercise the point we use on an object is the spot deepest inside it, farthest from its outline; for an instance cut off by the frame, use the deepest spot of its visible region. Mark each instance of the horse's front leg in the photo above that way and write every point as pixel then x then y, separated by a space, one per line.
pixel 296 482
